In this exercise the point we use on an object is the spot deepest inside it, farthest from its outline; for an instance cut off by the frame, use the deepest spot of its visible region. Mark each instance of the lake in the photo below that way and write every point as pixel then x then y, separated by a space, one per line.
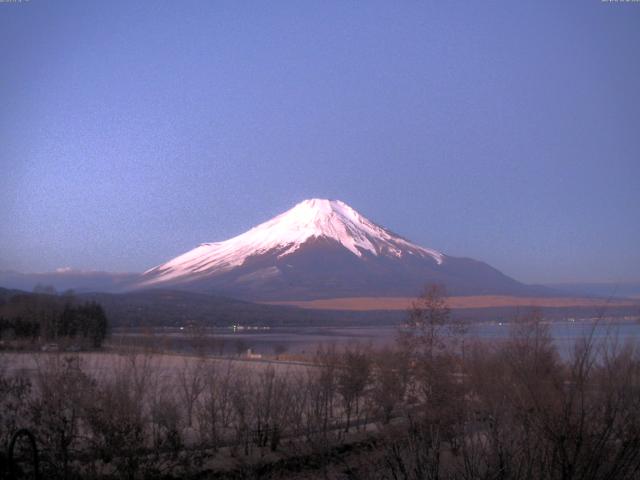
pixel 306 340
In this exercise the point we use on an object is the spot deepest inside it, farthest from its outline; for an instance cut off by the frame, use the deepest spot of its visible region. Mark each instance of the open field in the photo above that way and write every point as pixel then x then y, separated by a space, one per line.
pixel 103 365
pixel 463 302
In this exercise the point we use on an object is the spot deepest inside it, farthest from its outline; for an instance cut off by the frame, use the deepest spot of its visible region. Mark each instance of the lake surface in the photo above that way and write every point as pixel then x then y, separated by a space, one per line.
pixel 306 340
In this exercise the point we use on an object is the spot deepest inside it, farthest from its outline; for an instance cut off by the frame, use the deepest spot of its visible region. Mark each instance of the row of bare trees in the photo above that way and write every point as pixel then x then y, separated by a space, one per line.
pixel 513 408
pixel 436 405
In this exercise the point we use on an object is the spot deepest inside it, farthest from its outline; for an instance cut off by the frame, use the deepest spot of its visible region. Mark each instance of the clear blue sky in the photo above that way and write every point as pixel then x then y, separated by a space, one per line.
pixel 504 131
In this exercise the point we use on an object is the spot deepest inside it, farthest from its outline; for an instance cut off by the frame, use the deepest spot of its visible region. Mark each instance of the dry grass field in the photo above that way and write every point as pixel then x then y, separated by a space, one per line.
pixel 478 301
pixel 104 365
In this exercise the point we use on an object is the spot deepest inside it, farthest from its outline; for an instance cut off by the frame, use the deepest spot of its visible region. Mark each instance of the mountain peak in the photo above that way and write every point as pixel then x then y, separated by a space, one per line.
pixel 322 248
pixel 335 220
pixel 318 214
pixel 315 208
pixel 319 203
pixel 285 234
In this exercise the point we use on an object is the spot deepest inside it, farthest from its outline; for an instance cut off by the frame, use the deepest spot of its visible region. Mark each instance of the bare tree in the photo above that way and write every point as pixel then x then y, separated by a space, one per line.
pixel 241 401
pixel 427 324
pixel 390 381
pixel 270 400
pixel 215 408
pixel 56 410
pixel 352 378
pixel 190 377
pixel 15 393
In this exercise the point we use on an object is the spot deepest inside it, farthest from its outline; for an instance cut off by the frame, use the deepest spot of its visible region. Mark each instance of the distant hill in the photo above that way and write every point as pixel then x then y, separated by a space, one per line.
pixel 67 279
pixel 599 289
pixel 7 293
pixel 172 308
pixel 155 308
pixel 177 308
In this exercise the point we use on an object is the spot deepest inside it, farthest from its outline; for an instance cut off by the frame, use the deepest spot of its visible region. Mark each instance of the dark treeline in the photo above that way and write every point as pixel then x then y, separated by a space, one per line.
pixel 46 317
pixel 438 405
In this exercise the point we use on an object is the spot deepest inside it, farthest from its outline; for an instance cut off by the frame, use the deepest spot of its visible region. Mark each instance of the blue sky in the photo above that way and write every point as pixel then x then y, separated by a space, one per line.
pixel 503 131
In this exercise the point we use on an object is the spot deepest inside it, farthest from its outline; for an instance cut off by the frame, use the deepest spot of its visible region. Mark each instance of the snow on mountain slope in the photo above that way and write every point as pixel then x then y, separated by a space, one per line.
pixel 324 249
pixel 285 234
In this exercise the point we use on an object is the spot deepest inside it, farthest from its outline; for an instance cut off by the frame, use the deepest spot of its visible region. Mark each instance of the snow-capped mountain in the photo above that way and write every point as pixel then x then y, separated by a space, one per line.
pixel 321 249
